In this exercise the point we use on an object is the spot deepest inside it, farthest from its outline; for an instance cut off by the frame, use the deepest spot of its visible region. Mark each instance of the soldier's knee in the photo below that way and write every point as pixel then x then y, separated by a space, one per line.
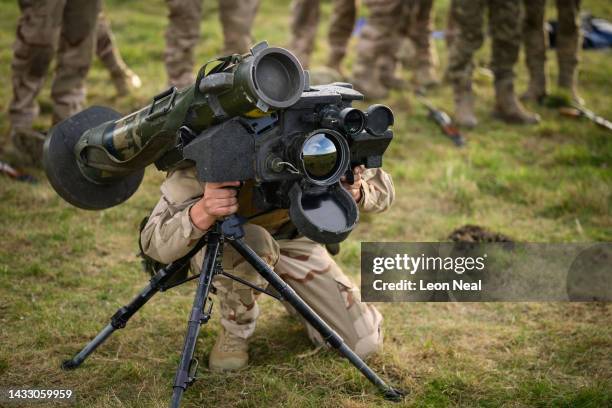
pixel 368 339
pixel 260 240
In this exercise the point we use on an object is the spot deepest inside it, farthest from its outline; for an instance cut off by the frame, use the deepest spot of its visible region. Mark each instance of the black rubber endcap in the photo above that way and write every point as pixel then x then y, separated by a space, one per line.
pixel 69 365
pixel 394 395
pixel 63 171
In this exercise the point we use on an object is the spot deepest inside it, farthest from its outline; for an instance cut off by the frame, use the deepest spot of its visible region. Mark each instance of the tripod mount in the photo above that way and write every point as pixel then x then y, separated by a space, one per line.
pixel 229 230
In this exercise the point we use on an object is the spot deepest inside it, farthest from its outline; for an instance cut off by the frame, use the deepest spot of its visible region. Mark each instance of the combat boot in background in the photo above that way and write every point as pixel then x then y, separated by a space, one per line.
pixel 464 104
pixel 229 353
pixel 386 68
pixel 125 81
pixel 536 90
pixel 367 81
pixel 28 144
pixel 568 81
pixel 507 106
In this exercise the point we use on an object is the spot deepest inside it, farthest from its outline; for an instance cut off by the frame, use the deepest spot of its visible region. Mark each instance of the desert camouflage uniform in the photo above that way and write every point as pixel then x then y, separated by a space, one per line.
pixel 304 24
pixel 65 28
pixel 183 34
pixel 305 265
pixel 568 41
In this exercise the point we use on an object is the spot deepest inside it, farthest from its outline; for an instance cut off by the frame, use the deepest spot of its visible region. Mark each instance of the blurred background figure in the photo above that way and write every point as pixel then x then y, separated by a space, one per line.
pixel 183 34
pixel 47 28
pixel 393 26
pixel 416 50
pixel 567 44
pixel 304 24
pixel 107 51
pixel 504 27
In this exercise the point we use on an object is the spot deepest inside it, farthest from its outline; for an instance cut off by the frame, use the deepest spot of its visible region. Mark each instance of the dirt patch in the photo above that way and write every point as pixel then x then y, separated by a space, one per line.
pixel 475 233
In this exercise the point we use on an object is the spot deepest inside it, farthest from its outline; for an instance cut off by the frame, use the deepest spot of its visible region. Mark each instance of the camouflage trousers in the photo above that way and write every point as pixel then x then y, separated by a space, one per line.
pixel 467 17
pixel 183 34
pixel 391 21
pixel 106 48
pixel 568 39
pixel 47 28
pixel 304 24
pixel 312 273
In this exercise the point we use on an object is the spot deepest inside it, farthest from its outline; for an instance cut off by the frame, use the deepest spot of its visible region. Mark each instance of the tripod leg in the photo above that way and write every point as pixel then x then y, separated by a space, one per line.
pixel 330 336
pixel 197 317
pixel 121 317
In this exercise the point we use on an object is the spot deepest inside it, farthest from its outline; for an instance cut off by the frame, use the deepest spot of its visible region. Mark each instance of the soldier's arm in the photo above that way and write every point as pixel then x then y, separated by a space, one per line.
pixel 377 191
pixel 169 232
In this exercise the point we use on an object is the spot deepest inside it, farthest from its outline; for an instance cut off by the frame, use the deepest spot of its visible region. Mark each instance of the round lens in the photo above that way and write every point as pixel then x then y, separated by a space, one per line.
pixel 320 156
pixel 353 119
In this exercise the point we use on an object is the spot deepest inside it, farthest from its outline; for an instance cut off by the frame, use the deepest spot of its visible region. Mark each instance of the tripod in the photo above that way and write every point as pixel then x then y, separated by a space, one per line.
pixel 229 230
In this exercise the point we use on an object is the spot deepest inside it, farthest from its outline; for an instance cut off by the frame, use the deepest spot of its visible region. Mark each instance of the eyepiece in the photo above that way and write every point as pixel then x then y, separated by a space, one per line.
pixel 379 118
pixel 352 120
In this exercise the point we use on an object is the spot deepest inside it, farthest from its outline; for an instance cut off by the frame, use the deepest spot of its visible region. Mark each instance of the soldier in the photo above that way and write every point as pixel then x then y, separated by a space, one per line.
pixel 305 22
pixel 378 50
pixel 504 26
pixel 107 51
pixel 187 209
pixel 66 29
pixel 183 34
pixel 568 42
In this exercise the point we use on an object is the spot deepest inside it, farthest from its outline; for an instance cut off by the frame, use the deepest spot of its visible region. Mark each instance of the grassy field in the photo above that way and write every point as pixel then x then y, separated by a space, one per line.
pixel 64 271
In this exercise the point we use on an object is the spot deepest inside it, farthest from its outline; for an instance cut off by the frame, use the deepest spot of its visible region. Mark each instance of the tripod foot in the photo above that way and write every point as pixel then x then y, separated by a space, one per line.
pixel 394 395
pixel 70 364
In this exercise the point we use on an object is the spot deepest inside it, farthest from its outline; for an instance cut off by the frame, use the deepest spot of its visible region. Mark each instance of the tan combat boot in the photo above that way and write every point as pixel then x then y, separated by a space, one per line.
pixel 425 76
pixel 229 353
pixel 464 105
pixel 370 86
pixel 125 81
pixel 508 108
pixel 386 68
pixel 28 144
pixel 536 90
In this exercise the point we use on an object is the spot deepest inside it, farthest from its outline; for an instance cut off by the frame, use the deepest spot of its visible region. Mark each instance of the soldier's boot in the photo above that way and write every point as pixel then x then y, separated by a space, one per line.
pixel 568 82
pixel 28 144
pixel 425 76
pixel 229 353
pixel 386 67
pixel 536 90
pixel 464 105
pixel 507 106
pixel 334 62
pixel 125 81
pixel 368 83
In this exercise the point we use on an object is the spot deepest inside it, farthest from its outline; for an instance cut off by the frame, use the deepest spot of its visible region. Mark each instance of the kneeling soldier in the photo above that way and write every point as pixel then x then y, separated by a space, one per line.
pixel 187 209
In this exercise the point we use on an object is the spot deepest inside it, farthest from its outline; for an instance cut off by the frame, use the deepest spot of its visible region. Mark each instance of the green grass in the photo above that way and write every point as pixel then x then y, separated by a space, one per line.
pixel 64 271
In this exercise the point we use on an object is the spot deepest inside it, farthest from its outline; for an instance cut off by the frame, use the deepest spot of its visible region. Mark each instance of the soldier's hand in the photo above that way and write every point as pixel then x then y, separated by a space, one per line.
pixel 355 188
pixel 218 201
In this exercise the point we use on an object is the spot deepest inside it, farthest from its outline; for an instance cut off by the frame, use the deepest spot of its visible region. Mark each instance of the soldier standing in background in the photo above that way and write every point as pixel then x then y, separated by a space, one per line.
pixel 568 42
pixel 305 22
pixel 378 47
pixel 61 28
pixel 106 49
pixel 183 34
pixel 504 26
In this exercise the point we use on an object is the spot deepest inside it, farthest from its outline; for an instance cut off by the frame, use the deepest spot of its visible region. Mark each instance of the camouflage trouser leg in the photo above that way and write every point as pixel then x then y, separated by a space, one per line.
pixel 504 25
pixel 182 35
pixel 534 40
pixel 304 24
pixel 38 31
pixel 378 37
pixel 468 17
pixel 237 18
pixel 308 268
pixel 74 56
pixel 568 41
pixel 420 34
pixel 341 27
pixel 106 48
pixel 239 309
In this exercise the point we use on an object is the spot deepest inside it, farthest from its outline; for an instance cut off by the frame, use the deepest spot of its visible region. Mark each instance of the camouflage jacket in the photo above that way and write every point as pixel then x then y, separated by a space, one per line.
pixel 169 232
